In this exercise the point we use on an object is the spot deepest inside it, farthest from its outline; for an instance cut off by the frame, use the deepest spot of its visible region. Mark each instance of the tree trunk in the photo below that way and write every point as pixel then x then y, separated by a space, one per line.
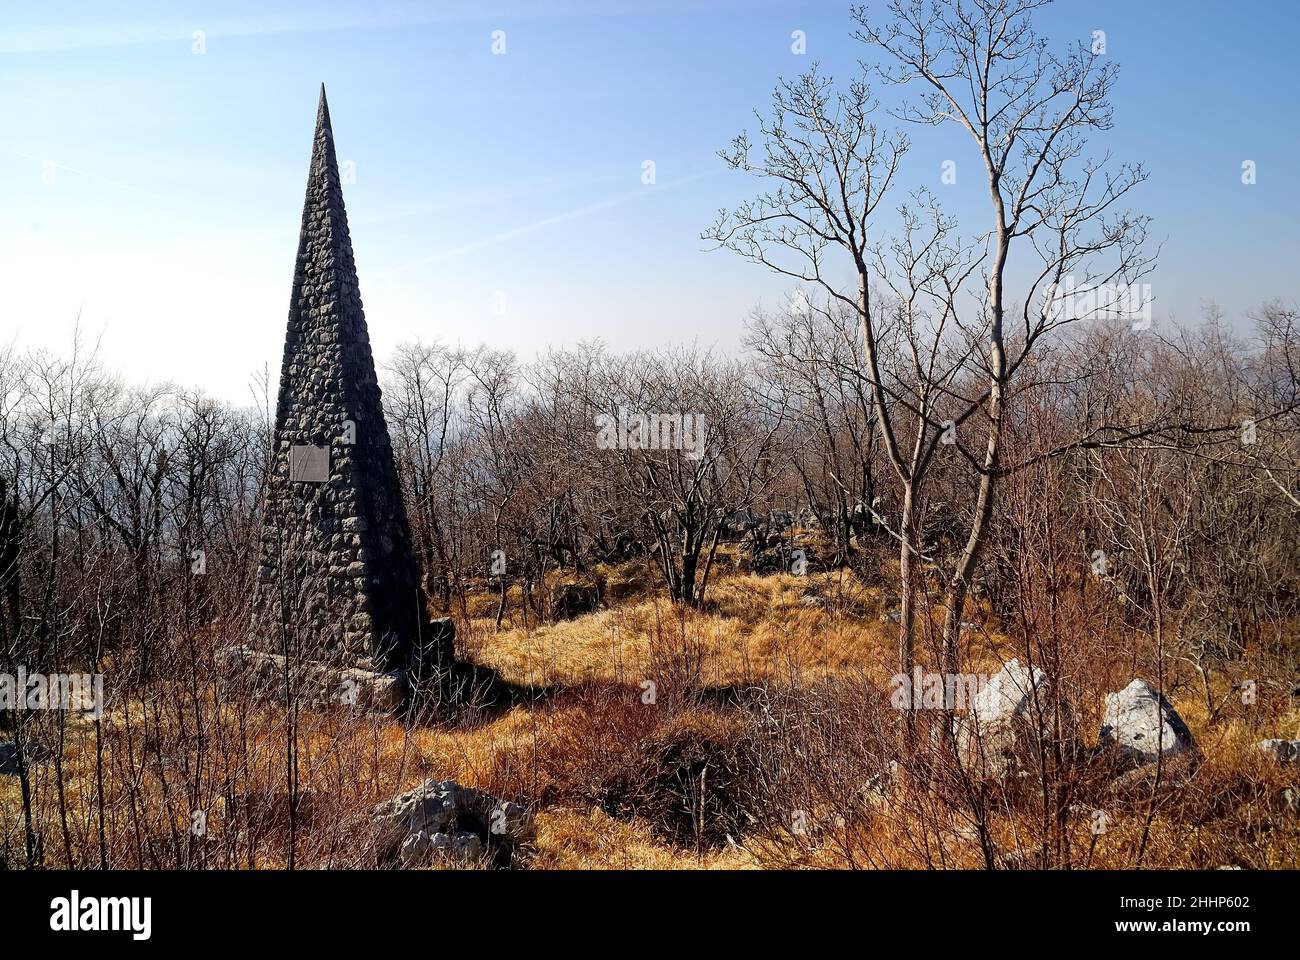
pixel 906 585
pixel 959 585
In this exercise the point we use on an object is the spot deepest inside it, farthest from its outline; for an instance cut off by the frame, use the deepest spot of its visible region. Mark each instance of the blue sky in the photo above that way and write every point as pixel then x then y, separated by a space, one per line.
pixel 157 191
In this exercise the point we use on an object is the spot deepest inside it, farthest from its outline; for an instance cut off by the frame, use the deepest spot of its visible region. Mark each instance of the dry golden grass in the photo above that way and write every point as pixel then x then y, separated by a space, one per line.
pixel 593 840
pixel 610 775
pixel 752 628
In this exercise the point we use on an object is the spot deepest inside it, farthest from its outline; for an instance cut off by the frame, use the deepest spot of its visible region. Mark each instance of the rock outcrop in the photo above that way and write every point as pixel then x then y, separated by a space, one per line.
pixel 1000 733
pixel 765 552
pixel 440 819
pixel 572 599
pixel 1141 725
pixel 1284 751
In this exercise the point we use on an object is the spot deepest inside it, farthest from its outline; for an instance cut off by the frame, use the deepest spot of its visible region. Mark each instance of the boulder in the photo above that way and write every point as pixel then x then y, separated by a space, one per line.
pixel 1139 723
pixel 1289 799
pixel 764 553
pixel 572 599
pixel 1284 751
pixel 422 848
pixel 33 754
pixel 440 819
pixel 1000 734
pixel 735 526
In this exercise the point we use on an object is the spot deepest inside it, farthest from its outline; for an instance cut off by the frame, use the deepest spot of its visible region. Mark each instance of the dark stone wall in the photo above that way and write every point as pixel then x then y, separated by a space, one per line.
pixel 337 580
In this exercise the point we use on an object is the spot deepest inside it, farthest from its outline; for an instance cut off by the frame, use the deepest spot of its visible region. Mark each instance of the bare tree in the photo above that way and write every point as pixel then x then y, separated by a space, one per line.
pixel 1028 112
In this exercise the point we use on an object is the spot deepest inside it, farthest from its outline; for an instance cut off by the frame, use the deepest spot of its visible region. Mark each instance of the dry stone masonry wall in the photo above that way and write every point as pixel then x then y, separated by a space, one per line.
pixel 337 581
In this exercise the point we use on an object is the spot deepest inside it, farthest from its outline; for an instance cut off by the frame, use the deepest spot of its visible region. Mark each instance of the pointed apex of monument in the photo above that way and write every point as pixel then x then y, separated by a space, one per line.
pixel 323 114
pixel 324 175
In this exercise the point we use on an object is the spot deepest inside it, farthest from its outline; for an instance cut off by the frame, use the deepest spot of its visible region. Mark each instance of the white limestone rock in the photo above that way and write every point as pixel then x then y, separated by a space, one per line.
pixel 1141 724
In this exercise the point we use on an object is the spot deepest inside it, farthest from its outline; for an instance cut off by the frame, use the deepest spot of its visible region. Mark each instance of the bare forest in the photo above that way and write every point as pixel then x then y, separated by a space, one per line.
pixel 903 582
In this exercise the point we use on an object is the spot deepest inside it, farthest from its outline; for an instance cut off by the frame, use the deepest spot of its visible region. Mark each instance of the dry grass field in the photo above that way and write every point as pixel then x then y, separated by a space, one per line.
pixel 747 734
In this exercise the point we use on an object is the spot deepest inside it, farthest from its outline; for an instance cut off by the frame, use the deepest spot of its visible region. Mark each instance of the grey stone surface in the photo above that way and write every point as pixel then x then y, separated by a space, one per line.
pixel 442 818
pixel 1142 725
pixel 337 581
pixel 420 849
pixel 317 683
pixel 1284 751
pixel 999 734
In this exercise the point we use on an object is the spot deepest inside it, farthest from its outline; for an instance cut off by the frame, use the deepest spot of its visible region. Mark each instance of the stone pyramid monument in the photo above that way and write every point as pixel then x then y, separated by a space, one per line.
pixel 338 583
